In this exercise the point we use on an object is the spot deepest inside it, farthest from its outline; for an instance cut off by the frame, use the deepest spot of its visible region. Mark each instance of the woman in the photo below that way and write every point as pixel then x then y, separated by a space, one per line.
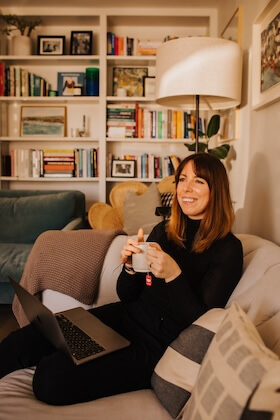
pixel 195 264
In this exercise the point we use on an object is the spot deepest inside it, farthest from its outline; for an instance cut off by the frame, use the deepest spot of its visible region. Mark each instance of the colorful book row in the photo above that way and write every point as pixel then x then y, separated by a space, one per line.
pixel 35 163
pixel 15 81
pixel 146 165
pixel 124 45
pixel 128 120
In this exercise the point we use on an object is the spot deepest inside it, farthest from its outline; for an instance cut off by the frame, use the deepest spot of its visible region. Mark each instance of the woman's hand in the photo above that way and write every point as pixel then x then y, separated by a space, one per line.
pixel 161 264
pixel 131 248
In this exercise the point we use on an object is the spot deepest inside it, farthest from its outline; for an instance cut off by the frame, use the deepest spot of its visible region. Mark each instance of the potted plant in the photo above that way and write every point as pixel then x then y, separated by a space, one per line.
pixel 213 127
pixel 21 42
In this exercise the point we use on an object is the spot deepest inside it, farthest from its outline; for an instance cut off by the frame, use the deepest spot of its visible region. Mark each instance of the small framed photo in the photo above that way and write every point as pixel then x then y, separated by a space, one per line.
pixel 51 45
pixel 43 121
pixel 149 85
pixel 70 83
pixel 130 79
pixel 81 43
pixel 123 168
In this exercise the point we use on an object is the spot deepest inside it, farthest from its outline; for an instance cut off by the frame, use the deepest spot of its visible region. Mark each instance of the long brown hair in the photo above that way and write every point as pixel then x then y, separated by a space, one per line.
pixel 219 216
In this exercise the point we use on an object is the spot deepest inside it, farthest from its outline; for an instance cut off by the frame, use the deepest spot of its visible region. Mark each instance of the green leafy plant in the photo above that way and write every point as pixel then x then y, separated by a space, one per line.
pixel 21 23
pixel 213 127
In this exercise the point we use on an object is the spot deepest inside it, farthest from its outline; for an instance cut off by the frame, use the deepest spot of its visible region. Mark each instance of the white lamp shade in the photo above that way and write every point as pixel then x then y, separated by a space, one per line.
pixel 204 66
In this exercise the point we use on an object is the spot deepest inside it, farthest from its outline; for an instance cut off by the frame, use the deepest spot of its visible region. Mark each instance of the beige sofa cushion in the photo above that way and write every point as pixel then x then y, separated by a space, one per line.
pixel 18 402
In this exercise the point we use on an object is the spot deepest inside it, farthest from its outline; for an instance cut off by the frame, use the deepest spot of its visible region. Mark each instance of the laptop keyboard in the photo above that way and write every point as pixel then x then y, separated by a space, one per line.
pixel 79 343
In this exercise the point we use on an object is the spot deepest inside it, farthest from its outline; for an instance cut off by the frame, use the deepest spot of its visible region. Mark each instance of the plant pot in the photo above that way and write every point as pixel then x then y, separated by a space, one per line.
pixel 21 45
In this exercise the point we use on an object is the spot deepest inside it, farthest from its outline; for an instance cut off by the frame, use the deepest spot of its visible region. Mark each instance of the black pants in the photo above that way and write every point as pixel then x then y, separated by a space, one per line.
pixel 58 381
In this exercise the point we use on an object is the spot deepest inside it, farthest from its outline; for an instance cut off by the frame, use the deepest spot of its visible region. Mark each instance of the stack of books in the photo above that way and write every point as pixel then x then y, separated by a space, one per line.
pixel 121 120
pixel 58 163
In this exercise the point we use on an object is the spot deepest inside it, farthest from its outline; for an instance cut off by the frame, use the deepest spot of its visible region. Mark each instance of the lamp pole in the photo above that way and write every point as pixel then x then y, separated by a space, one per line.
pixel 196 121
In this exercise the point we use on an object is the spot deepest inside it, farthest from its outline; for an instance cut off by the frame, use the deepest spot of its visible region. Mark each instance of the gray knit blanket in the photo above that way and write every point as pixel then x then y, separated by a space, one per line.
pixel 69 262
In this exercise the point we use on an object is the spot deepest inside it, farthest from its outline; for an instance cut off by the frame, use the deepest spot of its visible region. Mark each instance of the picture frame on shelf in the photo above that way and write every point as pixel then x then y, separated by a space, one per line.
pixel 51 45
pixel 149 86
pixel 123 168
pixel 43 121
pixel 70 83
pixel 266 57
pixel 130 79
pixel 81 43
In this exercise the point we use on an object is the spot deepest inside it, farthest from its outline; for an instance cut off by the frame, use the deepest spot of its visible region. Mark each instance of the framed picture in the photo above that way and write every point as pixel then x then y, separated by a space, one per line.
pixel 70 83
pixel 123 168
pixel 81 43
pixel 51 45
pixel 43 121
pixel 129 78
pixel 149 85
pixel 266 56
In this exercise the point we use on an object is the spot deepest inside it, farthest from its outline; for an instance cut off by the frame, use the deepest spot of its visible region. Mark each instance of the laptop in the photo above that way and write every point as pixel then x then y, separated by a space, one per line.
pixel 89 337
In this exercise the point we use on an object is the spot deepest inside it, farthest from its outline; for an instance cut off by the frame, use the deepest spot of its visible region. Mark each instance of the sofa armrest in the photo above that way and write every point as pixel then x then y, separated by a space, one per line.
pixel 76 223
pixel 111 269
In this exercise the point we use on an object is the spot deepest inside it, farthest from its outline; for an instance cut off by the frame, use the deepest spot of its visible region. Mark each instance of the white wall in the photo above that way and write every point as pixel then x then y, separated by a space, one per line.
pixel 255 172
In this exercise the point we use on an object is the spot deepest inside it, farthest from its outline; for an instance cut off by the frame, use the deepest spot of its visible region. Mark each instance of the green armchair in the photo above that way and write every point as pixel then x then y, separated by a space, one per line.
pixel 24 215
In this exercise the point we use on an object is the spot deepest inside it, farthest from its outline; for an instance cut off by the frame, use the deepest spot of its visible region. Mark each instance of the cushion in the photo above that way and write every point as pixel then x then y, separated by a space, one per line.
pixel 234 365
pixel 139 210
pixel 264 402
pixel 177 370
pixel 23 219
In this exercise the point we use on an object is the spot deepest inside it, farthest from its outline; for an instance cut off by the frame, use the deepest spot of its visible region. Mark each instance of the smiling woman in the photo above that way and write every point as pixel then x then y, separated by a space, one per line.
pixel 202 193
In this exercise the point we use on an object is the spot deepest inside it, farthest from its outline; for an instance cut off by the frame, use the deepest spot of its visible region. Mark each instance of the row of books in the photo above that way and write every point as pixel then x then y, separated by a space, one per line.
pixel 147 165
pixel 15 81
pixel 131 120
pixel 124 45
pixel 50 163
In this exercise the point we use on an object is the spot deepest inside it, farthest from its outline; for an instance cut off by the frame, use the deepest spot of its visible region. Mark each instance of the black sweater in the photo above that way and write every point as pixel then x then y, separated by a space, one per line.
pixel 207 281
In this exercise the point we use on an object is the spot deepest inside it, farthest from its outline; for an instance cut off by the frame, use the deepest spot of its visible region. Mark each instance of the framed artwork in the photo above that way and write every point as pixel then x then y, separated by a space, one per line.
pixel 51 45
pixel 129 78
pixel 123 168
pixel 43 121
pixel 149 85
pixel 81 43
pixel 70 83
pixel 266 56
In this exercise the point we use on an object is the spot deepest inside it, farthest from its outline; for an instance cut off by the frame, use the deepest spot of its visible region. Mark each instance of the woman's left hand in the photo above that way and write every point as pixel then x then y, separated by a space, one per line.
pixel 161 264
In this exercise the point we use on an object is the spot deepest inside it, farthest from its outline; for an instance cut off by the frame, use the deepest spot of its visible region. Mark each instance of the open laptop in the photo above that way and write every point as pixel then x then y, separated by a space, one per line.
pixel 100 339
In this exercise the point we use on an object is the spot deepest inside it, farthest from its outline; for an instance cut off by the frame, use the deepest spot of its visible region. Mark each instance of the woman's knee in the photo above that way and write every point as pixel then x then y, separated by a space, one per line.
pixel 52 377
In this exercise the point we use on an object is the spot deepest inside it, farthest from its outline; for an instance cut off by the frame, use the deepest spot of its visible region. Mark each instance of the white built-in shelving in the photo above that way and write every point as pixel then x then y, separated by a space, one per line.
pixel 144 24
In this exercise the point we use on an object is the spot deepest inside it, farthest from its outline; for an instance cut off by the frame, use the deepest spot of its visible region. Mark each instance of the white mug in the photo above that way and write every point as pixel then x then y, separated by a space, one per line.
pixel 139 260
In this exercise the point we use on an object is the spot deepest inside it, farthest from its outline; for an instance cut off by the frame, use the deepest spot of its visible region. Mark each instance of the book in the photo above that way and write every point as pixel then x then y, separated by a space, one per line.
pixel 2 78
pixel 70 83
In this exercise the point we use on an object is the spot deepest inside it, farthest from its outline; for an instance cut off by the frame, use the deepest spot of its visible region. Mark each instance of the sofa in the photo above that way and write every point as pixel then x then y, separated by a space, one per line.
pixel 249 326
pixel 24 215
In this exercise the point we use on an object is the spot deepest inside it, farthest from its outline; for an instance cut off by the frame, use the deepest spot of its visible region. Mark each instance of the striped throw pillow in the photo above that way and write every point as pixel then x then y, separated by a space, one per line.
pixel 176 372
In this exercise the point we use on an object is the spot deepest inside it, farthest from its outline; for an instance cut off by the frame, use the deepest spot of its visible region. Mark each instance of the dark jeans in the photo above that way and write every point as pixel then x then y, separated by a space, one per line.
pixel 58 381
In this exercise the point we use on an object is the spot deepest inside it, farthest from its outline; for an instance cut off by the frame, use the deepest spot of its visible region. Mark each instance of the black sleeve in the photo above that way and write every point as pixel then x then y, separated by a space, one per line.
pixel 129 286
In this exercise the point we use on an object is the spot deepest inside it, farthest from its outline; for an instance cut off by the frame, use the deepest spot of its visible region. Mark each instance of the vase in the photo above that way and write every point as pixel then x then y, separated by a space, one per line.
pixel 21 45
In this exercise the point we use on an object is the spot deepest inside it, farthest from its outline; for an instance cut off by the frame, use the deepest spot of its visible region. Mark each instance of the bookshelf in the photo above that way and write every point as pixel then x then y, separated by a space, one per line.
pixel 136 23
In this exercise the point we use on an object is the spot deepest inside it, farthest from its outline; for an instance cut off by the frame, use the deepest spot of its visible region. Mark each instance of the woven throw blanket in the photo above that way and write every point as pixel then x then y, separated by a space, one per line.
pixel 69 262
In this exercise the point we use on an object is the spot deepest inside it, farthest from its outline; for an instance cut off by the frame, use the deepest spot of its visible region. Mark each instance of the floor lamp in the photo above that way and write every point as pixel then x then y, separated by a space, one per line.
pixel 200 73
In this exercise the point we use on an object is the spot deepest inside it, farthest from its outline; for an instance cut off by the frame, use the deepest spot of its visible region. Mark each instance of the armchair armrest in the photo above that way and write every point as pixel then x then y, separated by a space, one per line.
pixel 76 223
